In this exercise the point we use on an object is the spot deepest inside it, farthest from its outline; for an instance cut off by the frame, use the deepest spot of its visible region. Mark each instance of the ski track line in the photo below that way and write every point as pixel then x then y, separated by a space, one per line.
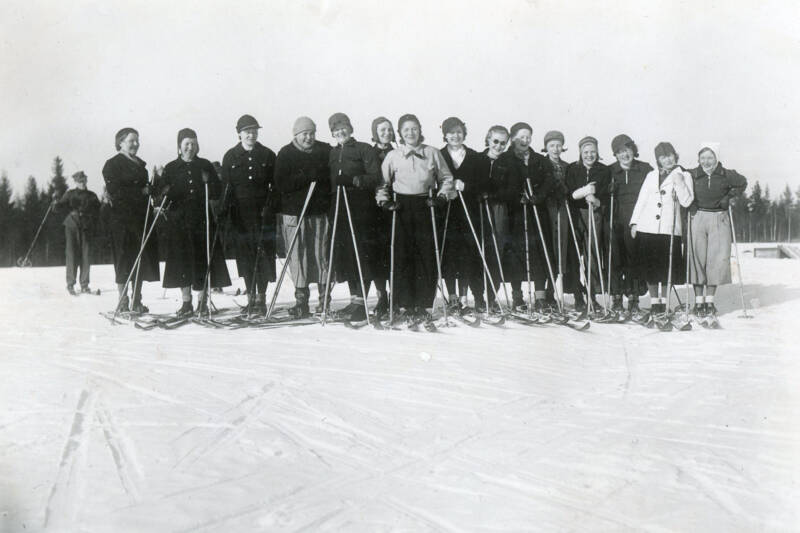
pixel 66 494
pixel 316 524
pixel 437 523
pixel 135 388
pixel 524 491
pixel 299 492
pixel 128 467
pixel 708 488
pixel 243 414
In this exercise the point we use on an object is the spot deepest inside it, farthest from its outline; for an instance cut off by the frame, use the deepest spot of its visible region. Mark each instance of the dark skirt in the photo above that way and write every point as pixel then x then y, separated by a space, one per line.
pixel 364 214
pixel 126 240
pixel 255 240
pixel 186 262
pixel 653 258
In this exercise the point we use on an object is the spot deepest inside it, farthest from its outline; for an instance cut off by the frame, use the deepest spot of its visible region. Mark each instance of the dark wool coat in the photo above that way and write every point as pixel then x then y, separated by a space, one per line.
pixel 355 160
pixel 577 176
pixel 83 208
pixel 125 180
pixel 295 170
pixel 514 184
pixel 384 229
pixel 248 177
pixel 627 184
pixel 186 263
pixel 461 257
pixel 712 193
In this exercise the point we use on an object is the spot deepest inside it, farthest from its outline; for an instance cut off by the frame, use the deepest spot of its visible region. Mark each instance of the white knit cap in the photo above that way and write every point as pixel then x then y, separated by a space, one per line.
pixel 714 147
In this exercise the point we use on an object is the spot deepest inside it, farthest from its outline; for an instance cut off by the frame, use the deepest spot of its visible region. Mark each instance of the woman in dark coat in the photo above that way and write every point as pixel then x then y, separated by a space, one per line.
pixel 354 168
pixel 522 166
pixel 129 191
pixel 383 137
pixel 184 184
pixel 461 259
pixel 587 182
pixel 251 202
pixel 497 216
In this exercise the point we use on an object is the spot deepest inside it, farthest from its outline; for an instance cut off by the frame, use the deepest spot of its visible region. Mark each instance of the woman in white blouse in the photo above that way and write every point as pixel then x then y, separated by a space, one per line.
pixel 655 219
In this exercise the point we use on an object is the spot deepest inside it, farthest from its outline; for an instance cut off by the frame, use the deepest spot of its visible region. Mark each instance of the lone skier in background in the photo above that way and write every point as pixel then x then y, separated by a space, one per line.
pixel 79 230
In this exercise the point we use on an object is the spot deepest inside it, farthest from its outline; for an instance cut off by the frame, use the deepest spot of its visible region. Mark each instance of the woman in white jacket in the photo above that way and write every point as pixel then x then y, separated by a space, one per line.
pixel 652 224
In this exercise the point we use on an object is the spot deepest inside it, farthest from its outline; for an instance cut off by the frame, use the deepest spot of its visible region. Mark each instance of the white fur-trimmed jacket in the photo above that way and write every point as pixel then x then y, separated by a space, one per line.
pixel 653 212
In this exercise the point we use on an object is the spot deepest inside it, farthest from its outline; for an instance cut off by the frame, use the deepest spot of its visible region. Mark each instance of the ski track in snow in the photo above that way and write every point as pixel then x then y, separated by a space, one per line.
pixel 315 429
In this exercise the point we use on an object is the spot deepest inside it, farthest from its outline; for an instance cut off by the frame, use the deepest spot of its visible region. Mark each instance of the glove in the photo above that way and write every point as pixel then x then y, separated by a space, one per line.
pixel 147 190
pixel 206 176
pixel 459 185
pixel 593 201
pixel 525 199
pixel 633 230
pixel 724 203
pixel 437 201
pixel 537 199
pixel 584 191
pixel 485 196
pixel 389 205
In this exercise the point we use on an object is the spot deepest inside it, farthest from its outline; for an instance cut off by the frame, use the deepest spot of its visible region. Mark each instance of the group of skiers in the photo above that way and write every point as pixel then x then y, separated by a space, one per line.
pixel 412 219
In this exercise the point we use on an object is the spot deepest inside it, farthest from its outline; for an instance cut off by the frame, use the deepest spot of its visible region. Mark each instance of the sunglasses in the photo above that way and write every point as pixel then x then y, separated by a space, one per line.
pixel 498 141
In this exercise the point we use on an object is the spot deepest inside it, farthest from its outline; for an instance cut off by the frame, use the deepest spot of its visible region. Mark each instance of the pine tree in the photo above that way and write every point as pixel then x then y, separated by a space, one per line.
pixel 58 183
pixel 54 242
pixel 7 215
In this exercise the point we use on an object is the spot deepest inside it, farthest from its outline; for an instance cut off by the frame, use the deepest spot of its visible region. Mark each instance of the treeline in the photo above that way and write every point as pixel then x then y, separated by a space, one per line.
pixel 758 218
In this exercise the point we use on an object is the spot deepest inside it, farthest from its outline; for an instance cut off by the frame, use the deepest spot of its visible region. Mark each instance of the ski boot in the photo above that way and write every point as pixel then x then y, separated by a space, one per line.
pixel 260 305
pixel 185 310
pixel 300 309
pixel 358 314
pixel 138 306
pixel 71 291
pixel 616 306
pixel 87 290
pixel 124 305
pixel 382 307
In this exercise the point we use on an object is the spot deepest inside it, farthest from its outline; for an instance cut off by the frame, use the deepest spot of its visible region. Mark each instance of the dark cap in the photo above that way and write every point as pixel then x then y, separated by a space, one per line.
pixel 246 121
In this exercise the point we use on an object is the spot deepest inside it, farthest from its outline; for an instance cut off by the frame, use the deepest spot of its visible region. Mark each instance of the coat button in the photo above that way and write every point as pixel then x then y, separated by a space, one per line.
pixel 249 168
pixel 189 172
pixel 659 204
pixel 663 192
pixel 190 181
pixel 658 217
pixel 249 158
pixel 250 177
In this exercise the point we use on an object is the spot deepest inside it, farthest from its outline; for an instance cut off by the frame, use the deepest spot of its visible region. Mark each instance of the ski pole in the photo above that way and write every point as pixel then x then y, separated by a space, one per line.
pixel 611 235
pixel 355 249
pixel 497 252
pixel 582 267
pixel 326 295
pixel 259 249
pixel 738 263
pixel 26 262
pixel 444 231
pixel 207 284
pixel 136 286
pixel 560 281
pixel 483 253
pixel 589 273
pixel 527 257
pixel 480 251
pixel 671 248
pixel 436 251
pixel 688 250
pixel 599 261
pixel 544 243
pixel 391 261
pixel 207 276
pixel 139 256
pixel 289 250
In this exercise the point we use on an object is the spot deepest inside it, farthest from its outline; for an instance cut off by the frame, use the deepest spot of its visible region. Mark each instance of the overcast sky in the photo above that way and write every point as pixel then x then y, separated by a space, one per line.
pixel 73 73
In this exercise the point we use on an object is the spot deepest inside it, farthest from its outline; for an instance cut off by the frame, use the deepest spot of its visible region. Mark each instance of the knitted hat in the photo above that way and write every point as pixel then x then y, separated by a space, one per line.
pixel 246 121
pixel 338 120
pixel 664 149
pixel 186 133
pixel 79 176
pixel 377 122
pixel 714 147
pixel 587 140
pixel 452 123
pixel 553 135
pixel 121 134
pixel 520 126
pixel 303 124
pixel 620 142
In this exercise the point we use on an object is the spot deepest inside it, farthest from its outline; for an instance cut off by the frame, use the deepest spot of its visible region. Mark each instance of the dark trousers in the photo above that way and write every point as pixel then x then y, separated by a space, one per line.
pixel 78 250
pixel 415 257
pixel 624 274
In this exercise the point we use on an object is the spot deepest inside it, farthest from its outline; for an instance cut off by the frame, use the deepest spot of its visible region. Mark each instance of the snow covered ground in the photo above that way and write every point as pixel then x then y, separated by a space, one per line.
pixel 111 429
